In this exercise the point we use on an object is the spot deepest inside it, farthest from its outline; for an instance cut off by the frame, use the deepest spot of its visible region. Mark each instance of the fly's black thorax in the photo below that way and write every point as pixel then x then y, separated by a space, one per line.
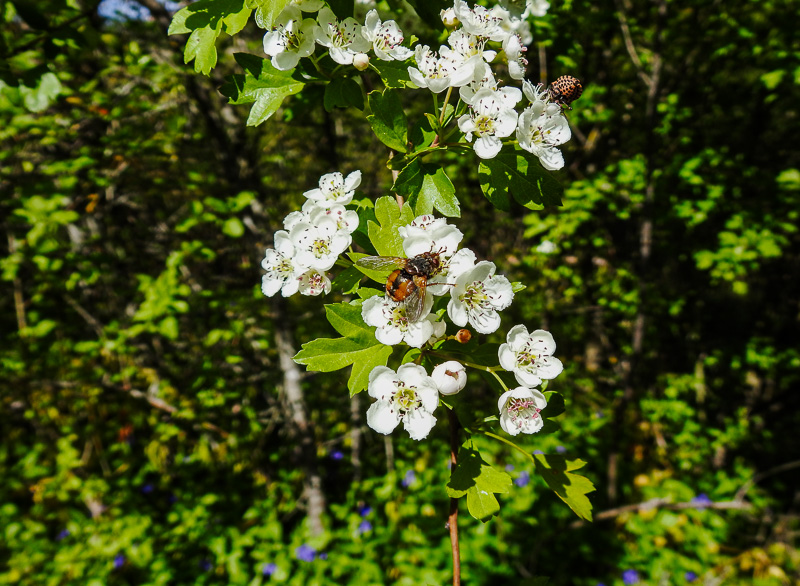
pixel 425 264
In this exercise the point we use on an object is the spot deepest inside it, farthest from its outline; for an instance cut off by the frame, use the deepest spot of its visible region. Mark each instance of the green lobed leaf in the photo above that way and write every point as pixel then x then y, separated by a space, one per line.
pixel 266 11
pixel 343 92
pixel 368 359
pixel 348 280
pixel 522 175
pixel 427 187
pixel 479 481
pixel 205 20
pixel 358 348
pixel 388 120
pixel 570 488
pixel 384 235
pixel 346 319
pixel 394 74
pixel 201 47
pixel 262 85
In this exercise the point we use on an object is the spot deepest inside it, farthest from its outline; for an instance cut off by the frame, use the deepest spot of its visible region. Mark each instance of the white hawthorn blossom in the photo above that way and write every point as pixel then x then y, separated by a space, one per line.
pixel 490 119
pixel 538 93
pixel 467 51
pixel 429 234
pixel 438 73
pixel 346 220
pixel 335 188
pixel 342 38
pixel 480 21
pixel 317 246
pixel 408 395
pixel 540 131
pixel 477 297
pixel 385 38
pixel 484 79
pixel 312 282
pixel 520 410
pixel 514 51
pixel 449 377
pixel 282 273
pixel 392 325
pixel 451 268
pixel 292 38
pixel 530 356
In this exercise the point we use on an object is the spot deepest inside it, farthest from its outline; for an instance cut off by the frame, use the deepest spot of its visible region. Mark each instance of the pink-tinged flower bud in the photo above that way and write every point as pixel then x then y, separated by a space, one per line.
pixel 449 377
pixel 361 61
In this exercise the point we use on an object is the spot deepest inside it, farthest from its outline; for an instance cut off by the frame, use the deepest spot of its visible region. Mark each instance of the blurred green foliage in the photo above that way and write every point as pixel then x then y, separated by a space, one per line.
pixel 147 437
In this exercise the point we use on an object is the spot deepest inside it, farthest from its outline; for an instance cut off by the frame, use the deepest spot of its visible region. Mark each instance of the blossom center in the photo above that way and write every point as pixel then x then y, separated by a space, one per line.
pixel 522 409
pixel 405 398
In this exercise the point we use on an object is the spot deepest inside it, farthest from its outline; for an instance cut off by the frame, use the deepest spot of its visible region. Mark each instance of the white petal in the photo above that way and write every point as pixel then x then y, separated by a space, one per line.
pixel 486 322
pixel 270 286
pixel 418 423
pixel 381 418
pixel 507 358
pixel 457 312
pixel 518 337
pixel 389 335
pixel 550 367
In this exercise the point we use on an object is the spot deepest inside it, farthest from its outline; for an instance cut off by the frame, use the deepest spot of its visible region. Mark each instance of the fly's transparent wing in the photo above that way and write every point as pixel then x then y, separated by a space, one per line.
pixel 382 262
pixel 415 302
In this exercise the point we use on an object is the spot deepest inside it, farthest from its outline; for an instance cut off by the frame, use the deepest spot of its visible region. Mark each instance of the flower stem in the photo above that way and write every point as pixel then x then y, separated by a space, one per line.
pixel 505 441
pixel 452 520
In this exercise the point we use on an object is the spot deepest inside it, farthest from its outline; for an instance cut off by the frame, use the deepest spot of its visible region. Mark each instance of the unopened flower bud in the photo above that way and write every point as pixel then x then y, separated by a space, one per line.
pixel 449 377
pixel 463 336
pixel 449 18
pixel 361 61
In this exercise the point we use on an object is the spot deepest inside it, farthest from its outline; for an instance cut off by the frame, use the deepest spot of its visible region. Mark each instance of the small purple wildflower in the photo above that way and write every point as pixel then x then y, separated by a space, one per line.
pixel 269 569
pixel 690 576
pixel 305 553
pixel 323 556
pixel 364 510
pixel 172 499
pixel 119 561
pixel 509 467
pixel 630 577
pixel 337 455
pixel 205 565
pixel 561 449
pixel 364 527
pixel 702 500
pixel 148 488
pixel 538 452
pixel 408 478
pixel 523 479
pixel 63 534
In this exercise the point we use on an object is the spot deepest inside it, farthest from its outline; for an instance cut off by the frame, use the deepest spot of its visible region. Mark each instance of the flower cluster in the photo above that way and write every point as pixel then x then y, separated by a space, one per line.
pixel 312 239
pixel 347 41
pixel 477 294
pixel 462 63
pixel 530 358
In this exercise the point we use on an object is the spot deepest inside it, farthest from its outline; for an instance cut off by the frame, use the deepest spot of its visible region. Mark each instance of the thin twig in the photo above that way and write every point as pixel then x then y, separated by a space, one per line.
pixel 665 503
pixel 626 33
pixel 452 520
